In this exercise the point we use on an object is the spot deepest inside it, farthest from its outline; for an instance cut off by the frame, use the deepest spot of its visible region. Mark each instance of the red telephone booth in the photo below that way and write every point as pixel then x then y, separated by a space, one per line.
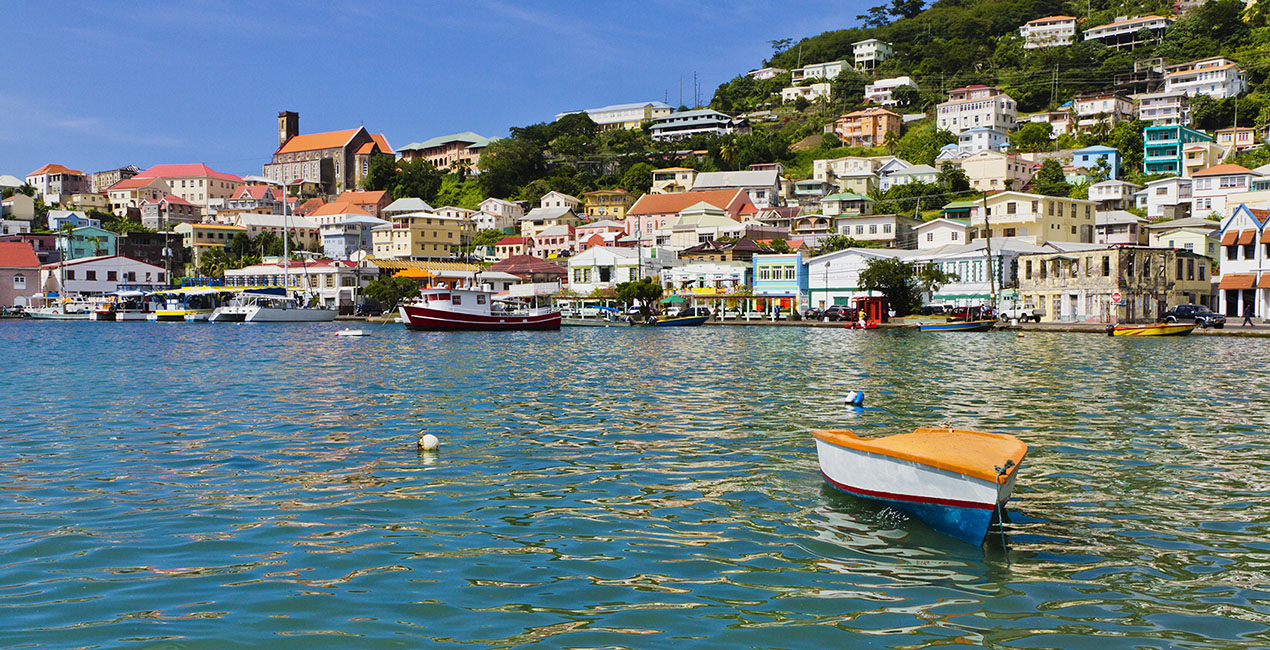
pixel 874 308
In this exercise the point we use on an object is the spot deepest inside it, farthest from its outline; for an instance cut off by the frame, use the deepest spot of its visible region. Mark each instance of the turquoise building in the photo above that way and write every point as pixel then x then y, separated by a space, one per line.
pixel 781 280
pixel 1162 147
pixel 87 241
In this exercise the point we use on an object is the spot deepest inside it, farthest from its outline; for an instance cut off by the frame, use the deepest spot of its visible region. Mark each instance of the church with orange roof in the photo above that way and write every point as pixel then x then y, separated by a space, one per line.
pixel 334 161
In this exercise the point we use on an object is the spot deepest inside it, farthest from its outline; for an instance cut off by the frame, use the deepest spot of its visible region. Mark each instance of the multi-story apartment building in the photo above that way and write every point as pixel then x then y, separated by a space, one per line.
pixel 1162 147
pixel 832 169
pixel 762 186
pixel 1164 109
pixel 672 179
pixel 825 71
pixel 1108 109
pixel 1061 122
pixel 1166 198
pixel 993 170
pixel 977 105
pixel 1114 195
pixel 1127 33
pixel 54 182
pixel 1048 32
pixel 869 53
pixel 623 116
pixel 982 138
pixel 871 127
pixel 166 211
pixel 101 181
pixel 417 235
pixel 1217 77
pixel 1036 217
pixel 684 124
pixel 201 238
pixel 809 92
pixel 764 74
pixel 879 92
pixel 196 183
pixel 333 161
pixel 458 151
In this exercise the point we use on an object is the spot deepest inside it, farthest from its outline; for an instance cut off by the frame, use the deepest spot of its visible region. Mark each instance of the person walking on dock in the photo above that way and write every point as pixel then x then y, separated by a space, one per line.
pixel 1247 314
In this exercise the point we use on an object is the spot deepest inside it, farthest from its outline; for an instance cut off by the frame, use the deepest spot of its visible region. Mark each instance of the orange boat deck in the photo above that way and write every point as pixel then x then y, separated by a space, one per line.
pixel 973 453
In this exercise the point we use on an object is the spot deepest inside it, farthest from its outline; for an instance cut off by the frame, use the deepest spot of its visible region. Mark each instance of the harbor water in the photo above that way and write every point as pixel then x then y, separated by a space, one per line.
pixel 225 486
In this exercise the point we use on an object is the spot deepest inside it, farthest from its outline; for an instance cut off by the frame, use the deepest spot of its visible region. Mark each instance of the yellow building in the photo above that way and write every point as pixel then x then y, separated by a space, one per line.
pixel 608 204
pixel 418 235
pixel 1035 216
pixel 196 183
pixel 670 180
pixel 1198 156
pixel 203 237
pixel 1083 285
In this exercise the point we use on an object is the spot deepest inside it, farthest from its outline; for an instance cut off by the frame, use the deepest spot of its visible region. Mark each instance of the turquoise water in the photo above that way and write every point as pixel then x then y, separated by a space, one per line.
pixel 212 486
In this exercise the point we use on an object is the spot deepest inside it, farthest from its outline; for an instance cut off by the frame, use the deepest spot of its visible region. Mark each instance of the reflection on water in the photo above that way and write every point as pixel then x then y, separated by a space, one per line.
pixel 204 485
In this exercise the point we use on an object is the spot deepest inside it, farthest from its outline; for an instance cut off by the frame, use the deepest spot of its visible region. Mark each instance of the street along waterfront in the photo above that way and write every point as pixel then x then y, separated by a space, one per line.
pixel 209 486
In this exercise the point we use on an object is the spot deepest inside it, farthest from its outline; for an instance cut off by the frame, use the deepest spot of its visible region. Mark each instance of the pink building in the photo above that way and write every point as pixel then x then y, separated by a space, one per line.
pixel 654 212
pixel 554 240
pixel 583 234
pixel 19 273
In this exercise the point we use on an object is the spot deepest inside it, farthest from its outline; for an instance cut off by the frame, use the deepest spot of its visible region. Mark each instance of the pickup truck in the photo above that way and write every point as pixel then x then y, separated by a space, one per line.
pixel 1023 313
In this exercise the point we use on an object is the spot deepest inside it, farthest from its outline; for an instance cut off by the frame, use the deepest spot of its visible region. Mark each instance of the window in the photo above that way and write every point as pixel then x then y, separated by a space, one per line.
pixel 480 298
pixel 1202 269
pixel 859 230
pixel 19 281
pixel 789 273
pixel 70 274
pixel 1027 270
pixel 764 273
pixel 1106 266
pixel 873 229
pixel 886 227
pixel 111 276
pixel 456 299
pixel 1011 208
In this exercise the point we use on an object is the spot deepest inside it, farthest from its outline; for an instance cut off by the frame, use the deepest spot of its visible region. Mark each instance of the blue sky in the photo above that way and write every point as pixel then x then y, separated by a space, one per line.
pixel 99 85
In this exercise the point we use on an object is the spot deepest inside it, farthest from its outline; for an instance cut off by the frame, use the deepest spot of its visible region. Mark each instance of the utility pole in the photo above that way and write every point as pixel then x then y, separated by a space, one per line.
pixel 987 247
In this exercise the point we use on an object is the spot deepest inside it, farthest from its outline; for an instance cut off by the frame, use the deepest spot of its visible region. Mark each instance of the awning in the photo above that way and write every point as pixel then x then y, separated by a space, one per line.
pixel 414 274
pixel 1246 237
pixel 1238 281
pixel 673 299
pixel 1229 238
pixel 1264 282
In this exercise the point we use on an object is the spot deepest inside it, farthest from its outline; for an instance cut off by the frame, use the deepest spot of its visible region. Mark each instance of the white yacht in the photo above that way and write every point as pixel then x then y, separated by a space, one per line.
pixel 262 307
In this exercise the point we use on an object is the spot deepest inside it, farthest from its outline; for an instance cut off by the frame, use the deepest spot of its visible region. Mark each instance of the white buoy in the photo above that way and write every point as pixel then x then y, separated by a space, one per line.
pixel 855 398
pixel 429 442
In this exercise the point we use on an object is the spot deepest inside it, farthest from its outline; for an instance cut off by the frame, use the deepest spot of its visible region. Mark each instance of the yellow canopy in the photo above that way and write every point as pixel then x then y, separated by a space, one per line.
pixel 415 274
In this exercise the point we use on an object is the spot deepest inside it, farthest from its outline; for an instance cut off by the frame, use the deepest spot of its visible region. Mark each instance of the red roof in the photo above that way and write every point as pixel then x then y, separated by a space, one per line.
pixel 18 254
pixel 193 170
pixel 176 200
pixel 256 192
pixel 338 207
pixel 330 140
pixel 527 265
pixel 54 168
pixel 363 198
pixel 675 202
pixel 131 184
pixel 1217 170
pixel 512 241
pixel 310 206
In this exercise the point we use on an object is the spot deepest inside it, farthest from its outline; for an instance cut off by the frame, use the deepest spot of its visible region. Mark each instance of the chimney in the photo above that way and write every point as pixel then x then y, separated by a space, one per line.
pixel 288 126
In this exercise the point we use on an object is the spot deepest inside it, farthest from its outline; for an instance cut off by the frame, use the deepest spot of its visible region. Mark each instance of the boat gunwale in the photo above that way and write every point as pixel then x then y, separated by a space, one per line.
pixel 848 440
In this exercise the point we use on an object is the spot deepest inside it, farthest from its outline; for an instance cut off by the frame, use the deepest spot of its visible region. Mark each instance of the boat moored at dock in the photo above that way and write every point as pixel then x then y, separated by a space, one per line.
pixel 1152 329
pixel 955 480
pixel 958 326
pixel 479 309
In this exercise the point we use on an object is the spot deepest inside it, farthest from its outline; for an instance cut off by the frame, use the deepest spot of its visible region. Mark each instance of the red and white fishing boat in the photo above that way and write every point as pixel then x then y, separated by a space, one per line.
pixel 479 309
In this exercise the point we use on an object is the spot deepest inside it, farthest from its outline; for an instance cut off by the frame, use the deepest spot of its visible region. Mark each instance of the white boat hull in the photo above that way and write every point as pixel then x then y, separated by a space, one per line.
pixel 950 502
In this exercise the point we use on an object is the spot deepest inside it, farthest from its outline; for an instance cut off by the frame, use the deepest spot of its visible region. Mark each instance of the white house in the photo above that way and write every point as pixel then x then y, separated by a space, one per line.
pixel 944 231
pixel 896 231
pixel 603 267
pixel 879 92
pixel 98 275
pixel 913 174
pixel 684 124
pixel 706 278
pixel 869 53
pixel 810 92
pixel 1119 227
pixel 1113 194
pixel 1217 77
pixel 1214 186
pixel 982 138
pixel 1164 109
pixel 501 208
pixel 1166 198
pixel 834 278
pixel 1125 33
pixel 825 71
pixel 1048 32
pixel 977 105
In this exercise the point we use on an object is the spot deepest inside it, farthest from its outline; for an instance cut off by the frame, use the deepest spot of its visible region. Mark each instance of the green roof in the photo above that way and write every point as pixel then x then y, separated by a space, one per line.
pixel 846 196
pixel 958 205
pixel 466 136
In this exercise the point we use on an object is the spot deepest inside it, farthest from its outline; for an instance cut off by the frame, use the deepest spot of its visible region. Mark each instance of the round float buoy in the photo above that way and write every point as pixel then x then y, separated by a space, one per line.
pixel 1020 334
pixel 429 442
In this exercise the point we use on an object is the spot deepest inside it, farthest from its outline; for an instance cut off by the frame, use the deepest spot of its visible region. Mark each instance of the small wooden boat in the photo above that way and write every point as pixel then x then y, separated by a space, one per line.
pixel 680 321
pixel 958 326
pixel 954 480
pixel 1153 329
pixel 871 325
pixel 351 332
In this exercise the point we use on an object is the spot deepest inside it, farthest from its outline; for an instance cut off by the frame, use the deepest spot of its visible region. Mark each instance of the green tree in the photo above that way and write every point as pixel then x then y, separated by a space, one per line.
pixel 647 291
pixel 951 178
pixel 487 237
pixel 1049 180
pixel 906 96
pixel 839 242
pixel 779 246
pixel 931 278
pixel 895 279
pixel 416 179
pixel 509 163
pixel 920 145
pixel 390 292
pixel 638 178
pixel 1033 137
pixel 380 174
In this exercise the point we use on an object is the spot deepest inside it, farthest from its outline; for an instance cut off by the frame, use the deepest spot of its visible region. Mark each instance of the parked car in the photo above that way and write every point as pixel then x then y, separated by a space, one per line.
pixel 815 313
pixel 1023 313
pixel 839 313
pixel 977 312
pixel 931 310
pixel 1201 315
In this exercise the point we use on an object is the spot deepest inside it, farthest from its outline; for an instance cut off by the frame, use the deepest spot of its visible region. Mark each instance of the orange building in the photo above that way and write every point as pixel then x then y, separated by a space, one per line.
pixel 867 128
